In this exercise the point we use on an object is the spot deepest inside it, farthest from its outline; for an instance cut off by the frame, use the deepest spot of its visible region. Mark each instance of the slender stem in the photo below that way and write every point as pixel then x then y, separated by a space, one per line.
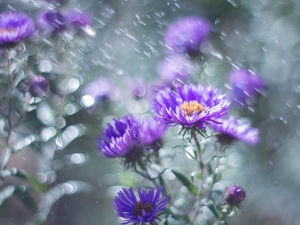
pixel 201 167
pixel 7 151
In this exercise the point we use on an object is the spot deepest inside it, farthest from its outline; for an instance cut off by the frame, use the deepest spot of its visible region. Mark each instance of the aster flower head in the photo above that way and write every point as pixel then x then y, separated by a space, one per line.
pixel 233 129
pixel 141 210
pixel 235 195
pixel 190 106
pixel 186 34
pixel 51 21
pixel 121 140
pixel 174 67
pixel 245 85
pixel 14 26
pixel 38 86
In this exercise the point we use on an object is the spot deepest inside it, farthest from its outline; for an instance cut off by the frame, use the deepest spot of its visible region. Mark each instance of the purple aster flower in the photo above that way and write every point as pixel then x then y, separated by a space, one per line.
pixel 151 134
pixel 190 106
pixel 122 140
pixel 232 129
pixel 235 195
pixel 186 34
pixel 174 67
pixel 142 210
pixel 245 86
pixel 38 86
pixel 14 26
pixel 51 21
pixel 78 19
pixel 98 90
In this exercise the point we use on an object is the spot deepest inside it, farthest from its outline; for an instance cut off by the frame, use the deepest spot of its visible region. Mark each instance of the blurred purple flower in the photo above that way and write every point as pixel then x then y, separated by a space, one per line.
pixel 190 106
pixel 174 67
pixel 232 129
pixel 38 86
pixel 56 1
pixel 235 195
pixel 51 21
pixel 186 34
pixel 78 19
pixel 151 134
pixel 99 89
pixel 14 26
pixel 142 210
pixel 245 86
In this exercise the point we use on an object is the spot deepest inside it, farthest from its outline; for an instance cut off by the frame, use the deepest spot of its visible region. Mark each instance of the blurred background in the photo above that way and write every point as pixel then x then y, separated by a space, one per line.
pixel 262 35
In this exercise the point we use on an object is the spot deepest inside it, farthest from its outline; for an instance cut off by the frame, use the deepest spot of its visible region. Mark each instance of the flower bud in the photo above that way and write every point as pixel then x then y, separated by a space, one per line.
pixel 38 86
pixel 235 195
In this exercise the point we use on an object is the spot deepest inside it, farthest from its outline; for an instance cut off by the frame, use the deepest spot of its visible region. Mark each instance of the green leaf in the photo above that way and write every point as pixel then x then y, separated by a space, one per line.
pixel 186 182
pixel 35 183
pixel 197 175
pixel 213 210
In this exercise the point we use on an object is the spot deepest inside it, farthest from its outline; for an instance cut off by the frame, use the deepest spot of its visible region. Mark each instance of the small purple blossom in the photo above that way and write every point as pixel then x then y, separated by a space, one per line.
pixel 38 86
pixel 245 85
pixel 99 89
pixel 174 67
pixel 14 26
pixel 51 21
pixel 235 195
pixel 190 106
pixel 139 210
pixel 233 129
pixel 186 34
pixel 78 19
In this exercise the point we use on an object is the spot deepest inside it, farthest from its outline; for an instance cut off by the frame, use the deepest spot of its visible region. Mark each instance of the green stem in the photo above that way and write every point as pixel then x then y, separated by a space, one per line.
pixel 201 167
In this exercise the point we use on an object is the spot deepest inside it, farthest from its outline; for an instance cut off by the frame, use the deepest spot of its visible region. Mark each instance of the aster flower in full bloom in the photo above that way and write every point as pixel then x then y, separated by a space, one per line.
pixel 142 210
pixel 174 67
pixel 245 86
pixel 14 26
pixel 186 34
pixel 190 106
pixel 233 129
pixel 235 195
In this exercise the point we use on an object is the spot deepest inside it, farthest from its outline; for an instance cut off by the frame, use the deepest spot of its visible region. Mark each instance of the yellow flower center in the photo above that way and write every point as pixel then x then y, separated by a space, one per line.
pixel 188 108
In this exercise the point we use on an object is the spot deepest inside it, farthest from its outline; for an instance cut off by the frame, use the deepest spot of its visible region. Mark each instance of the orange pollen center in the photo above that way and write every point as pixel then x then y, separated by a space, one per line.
pixel 9 30
pixel 188 108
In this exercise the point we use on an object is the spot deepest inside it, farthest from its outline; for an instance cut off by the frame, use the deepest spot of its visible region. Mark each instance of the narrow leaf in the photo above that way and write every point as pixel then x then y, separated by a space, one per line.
pixel 186 182
pixel 36 184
